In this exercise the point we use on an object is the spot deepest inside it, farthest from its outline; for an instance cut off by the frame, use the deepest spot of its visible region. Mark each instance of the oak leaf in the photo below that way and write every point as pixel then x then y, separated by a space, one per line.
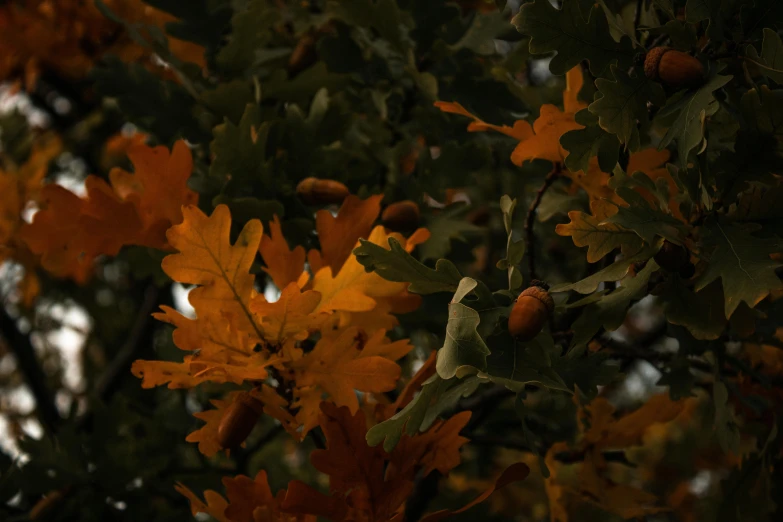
pixel 207 435
pixel 338 234
pixel 341 365
pixel 248 500
pixel 206 258
pixel 599 237
pixel 283 265
pixel 353 289
pixel 136 209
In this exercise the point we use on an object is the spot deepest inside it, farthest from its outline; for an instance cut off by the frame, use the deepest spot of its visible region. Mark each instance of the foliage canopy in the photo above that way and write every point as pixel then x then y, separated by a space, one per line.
pixel 359 198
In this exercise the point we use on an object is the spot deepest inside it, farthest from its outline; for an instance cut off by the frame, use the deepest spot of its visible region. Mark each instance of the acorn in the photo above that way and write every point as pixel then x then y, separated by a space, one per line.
pixel 238 421
pixel 673 68
pixel 401 216
pixel 531 310
pixel 672 257
pixel 315 191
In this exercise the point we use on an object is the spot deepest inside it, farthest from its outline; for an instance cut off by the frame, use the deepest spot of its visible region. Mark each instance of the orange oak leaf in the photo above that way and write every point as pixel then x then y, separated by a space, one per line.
pixel 215 504
pixel 207 435
pixel 223 335
pixel 247 500
pixel 437 448
pixel 19 187
pixel 290 317
pixel 521 130
pixel 158 187
pixel 136 209
pixel 206 258
pixel 357 483
pixel 607 431
pixel 353 289
pixel 623 500
pixel 341 365
pixel 550 125
pixel 283 265
pixel 338 234
pixel 542 139
pixel 514 473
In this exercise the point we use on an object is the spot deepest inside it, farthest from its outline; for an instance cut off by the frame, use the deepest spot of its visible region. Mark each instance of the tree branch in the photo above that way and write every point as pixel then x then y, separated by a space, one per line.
pixel 139 335
pixel 530 219
pixel 23 351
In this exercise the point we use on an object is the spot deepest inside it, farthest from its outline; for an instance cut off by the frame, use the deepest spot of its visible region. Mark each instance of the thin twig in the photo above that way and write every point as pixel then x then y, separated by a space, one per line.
pixel 530 219
pixel 19 343
pixel 141 327
pixel 140 335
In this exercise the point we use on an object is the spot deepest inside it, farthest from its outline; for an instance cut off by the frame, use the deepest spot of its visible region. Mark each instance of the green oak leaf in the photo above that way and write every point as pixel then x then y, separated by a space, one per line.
pixel 609 310
pixel 700 312
pixel 621 105
pixel 251 29
pixel 444 228
pixel 614 272
pixel 463 345
pixel 383 16
pixel 770 61
pixel 763 109
pixel 710 10
pixel 229 99
pixel 515 249
pixel 239 151
pixel 514 364
pixel 646 221
pixel 436 396
pixel 599 236
pixel 762 205
pixel 587 371
pixel 759 14
pixel 583 144
pixel 579 31
pixel 742 263
pixel 691 110
pixel 395 264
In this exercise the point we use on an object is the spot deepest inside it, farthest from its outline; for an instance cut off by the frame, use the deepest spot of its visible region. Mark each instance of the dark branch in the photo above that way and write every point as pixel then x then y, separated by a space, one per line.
pixel 23 350
pixel 530 219
pixel 141 328
pixel 140 335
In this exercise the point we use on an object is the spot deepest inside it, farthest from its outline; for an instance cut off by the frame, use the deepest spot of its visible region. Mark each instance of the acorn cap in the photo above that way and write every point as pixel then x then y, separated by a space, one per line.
pixel 538 291
pixel 401 215
pixel 652 60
